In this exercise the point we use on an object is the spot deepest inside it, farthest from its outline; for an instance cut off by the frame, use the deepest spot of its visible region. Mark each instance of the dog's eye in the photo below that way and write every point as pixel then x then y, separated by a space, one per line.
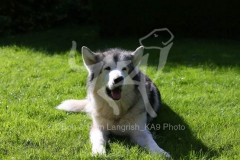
pixel 124 69
pixel 107 68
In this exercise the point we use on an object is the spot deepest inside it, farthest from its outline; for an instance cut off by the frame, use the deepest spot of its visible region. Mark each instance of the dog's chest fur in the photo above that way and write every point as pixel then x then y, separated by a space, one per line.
pixel 129 113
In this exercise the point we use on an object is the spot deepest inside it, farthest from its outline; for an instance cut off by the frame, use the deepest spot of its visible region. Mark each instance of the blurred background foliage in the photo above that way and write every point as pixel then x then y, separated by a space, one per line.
pixel 27 15
pixel 198 18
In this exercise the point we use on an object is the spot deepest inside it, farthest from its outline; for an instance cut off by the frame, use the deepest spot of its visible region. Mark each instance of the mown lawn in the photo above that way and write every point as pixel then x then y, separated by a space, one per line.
pixel 200 87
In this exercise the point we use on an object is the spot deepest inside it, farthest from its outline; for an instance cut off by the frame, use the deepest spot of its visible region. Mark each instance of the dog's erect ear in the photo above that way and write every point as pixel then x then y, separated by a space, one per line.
pixel 88 56
pixel 137 55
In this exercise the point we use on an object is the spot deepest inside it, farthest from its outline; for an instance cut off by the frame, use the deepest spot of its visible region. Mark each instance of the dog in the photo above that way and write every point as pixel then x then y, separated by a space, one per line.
pixel 121 99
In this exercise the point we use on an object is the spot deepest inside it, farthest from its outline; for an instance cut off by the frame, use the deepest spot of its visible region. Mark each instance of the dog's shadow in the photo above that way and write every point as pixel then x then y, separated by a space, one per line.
pixel 176 137
pixel 173 134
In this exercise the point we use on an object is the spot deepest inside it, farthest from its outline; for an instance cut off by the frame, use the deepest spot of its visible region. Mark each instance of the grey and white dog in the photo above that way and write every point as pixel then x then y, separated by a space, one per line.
pixel 120 99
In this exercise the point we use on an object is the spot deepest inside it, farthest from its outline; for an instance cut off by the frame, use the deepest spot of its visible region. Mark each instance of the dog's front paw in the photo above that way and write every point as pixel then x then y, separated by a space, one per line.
pixel 167 155
pixel 159 150
pixel 99 150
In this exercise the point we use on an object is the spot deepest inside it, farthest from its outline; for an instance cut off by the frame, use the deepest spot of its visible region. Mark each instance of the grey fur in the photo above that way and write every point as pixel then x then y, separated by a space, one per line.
pixel 119 94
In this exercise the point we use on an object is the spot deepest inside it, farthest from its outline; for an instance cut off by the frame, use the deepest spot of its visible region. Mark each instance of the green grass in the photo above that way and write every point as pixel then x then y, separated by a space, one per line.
pixel 200 87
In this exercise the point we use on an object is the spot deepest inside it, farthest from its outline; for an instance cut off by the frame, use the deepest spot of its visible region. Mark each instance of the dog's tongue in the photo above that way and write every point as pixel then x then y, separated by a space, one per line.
pixel 116 93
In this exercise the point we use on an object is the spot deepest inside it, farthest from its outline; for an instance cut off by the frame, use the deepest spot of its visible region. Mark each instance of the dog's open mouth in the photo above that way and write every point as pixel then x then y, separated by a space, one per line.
pixel 115 94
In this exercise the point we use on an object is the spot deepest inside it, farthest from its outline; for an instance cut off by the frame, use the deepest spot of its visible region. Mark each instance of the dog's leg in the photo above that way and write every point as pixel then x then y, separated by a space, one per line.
pixel 98 139
pixel 144 138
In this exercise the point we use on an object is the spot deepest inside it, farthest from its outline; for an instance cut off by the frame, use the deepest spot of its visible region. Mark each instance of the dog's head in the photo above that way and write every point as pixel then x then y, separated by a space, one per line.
pixel 112 70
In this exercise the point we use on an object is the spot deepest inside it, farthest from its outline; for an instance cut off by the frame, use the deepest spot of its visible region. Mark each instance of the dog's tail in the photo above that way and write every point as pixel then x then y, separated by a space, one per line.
pixel 73 105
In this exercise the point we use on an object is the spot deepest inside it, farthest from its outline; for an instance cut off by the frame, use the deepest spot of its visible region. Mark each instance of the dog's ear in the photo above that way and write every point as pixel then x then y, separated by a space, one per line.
pixel 88 56
pixel 137 55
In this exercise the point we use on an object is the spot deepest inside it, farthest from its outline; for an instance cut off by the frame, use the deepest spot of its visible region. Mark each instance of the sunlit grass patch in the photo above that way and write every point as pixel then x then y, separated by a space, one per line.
pixel 200 94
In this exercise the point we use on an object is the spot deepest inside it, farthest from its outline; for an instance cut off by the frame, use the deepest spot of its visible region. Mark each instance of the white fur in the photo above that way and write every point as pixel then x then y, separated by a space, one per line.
pixel 98 140
pixel 131 109
pixel 73 105
pixel 113 75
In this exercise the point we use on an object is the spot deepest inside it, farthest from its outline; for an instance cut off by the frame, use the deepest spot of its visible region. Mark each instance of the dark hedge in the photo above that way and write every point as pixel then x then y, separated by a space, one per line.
pixel 26 15
pixel 198 18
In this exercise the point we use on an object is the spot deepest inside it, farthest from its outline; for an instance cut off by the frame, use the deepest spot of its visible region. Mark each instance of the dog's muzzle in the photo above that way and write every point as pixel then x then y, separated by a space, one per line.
pixel 116 91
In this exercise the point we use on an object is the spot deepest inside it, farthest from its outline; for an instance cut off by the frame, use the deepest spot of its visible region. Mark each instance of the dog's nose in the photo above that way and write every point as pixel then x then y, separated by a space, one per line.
pixel 117 80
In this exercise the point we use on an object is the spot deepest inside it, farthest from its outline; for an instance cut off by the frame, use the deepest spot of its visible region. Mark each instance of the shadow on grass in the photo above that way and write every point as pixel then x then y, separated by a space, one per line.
pixel 195 53
pixel 174 136
pixel 189 52
pixel 52 41
pixel 59 40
